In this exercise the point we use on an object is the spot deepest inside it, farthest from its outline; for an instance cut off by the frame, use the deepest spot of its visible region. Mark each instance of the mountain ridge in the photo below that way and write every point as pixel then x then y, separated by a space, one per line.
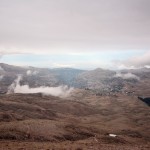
pixel 100 80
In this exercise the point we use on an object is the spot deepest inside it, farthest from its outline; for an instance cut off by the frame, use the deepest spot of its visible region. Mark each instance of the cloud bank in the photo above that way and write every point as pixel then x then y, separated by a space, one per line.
pixel 61 91
pixel 139 61
pixel 134 62
pixel 65 26
pixel 74 27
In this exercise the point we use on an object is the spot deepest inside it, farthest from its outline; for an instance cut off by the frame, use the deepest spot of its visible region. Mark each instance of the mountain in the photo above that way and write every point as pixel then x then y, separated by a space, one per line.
pixel 99 80
pixel 96 79
pixel 67 76
pixel 9 73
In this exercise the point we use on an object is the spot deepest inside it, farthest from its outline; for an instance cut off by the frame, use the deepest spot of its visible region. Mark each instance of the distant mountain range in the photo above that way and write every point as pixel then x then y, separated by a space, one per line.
pixel 100 80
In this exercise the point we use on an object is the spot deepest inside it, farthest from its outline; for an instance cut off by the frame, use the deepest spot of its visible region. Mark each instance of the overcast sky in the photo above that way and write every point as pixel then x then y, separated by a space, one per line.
pixel 75 33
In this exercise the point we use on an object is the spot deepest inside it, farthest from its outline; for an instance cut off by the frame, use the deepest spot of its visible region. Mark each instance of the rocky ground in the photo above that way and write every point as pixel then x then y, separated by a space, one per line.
pixel 79 122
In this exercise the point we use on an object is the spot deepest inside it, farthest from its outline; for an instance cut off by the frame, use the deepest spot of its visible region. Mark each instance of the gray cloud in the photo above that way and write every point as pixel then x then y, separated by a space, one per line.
pixel 63 26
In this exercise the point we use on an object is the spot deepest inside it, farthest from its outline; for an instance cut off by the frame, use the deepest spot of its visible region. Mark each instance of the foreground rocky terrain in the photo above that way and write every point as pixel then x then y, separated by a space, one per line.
pixel 83 120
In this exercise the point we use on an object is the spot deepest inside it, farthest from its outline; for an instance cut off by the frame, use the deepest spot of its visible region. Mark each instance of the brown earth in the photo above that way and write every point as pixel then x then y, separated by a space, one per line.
pixel 79 122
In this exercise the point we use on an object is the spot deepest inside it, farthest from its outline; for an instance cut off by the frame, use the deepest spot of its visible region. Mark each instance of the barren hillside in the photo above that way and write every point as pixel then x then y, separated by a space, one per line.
pixel 84 119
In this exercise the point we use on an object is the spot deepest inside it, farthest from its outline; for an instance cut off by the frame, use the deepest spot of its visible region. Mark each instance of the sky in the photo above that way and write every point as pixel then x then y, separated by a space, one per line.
pixel 84 34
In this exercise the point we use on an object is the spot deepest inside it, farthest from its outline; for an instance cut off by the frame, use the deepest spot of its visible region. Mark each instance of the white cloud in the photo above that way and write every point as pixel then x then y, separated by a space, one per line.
pixel 139 61
pixel 147 66
pixel 127 76
pixel 61 91
pixel 134 62
pixel 30 73
pixel 58 65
